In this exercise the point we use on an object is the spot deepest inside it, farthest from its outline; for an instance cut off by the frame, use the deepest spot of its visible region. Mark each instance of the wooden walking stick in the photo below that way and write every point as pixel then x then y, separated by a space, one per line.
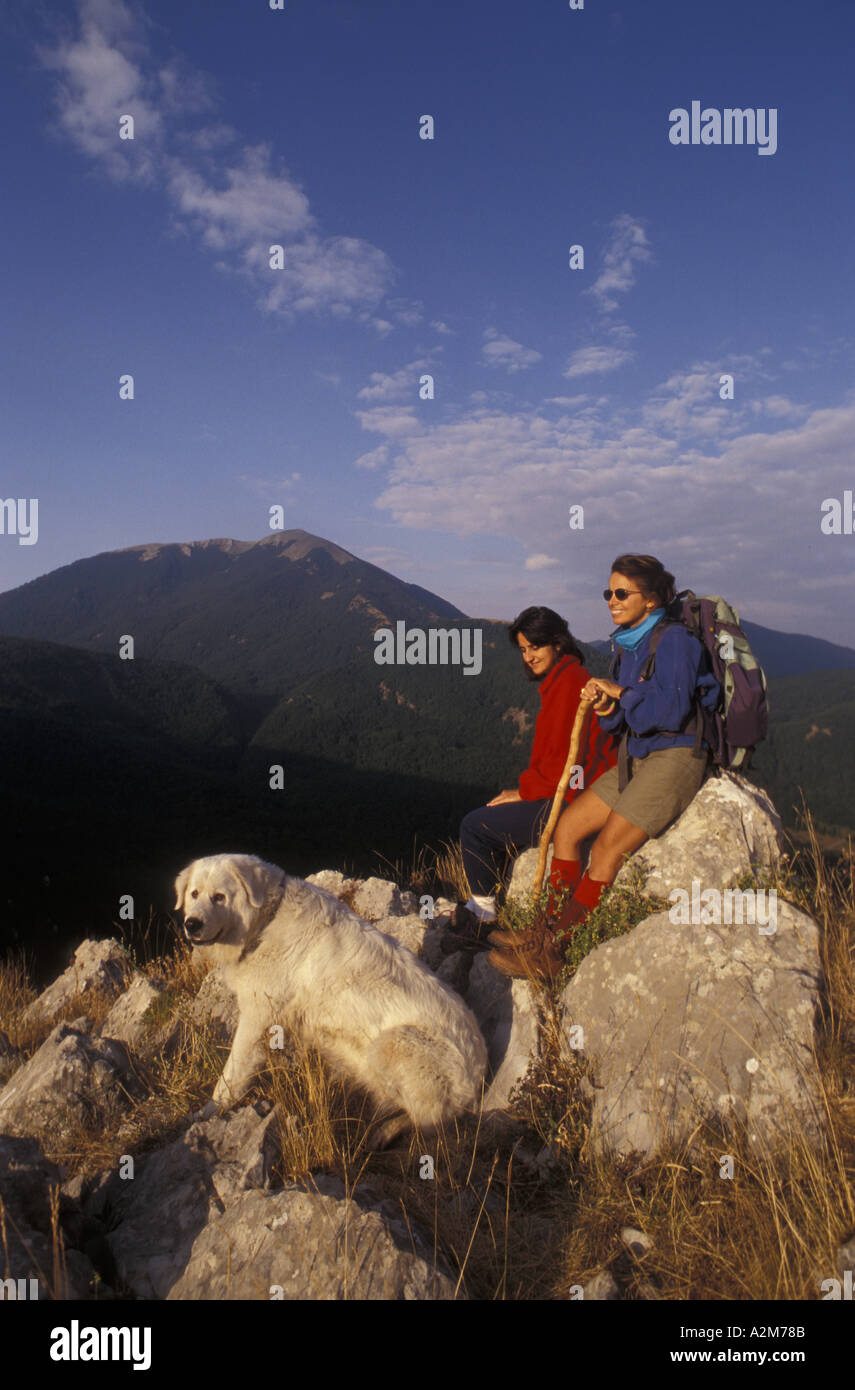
pixel 558 800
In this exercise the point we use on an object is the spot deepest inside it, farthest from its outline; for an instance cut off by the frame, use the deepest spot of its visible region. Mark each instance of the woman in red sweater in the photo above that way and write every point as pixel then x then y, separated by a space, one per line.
pixel 515 818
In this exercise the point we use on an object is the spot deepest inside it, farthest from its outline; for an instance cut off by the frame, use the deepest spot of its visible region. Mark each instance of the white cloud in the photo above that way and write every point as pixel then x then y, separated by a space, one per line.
pixel 721 512
pixel 409 312
pixel 107 70
pixel 501 351
pixel 590 360
pixel 390 386
pixel 779 408
pixel 441 327
pixel 376 458
pixel 689 401
pixel 541 562
pixel 100 81
pixel 626 249
pixel 256 205
pixel 391 420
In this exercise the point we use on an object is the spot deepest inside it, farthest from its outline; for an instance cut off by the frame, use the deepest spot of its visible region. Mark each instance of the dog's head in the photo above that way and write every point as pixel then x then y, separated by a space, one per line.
pixel 225 896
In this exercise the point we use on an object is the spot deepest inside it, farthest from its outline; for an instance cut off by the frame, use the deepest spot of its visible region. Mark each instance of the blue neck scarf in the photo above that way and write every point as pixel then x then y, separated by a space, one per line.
pixel 631 637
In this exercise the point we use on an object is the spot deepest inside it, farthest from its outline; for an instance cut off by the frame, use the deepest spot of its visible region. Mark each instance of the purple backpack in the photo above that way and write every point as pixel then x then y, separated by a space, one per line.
pixel 739 721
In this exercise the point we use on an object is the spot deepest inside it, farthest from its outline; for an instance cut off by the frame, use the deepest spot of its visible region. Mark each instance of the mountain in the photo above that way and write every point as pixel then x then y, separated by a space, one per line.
pixel 785 653
pixel 256 616
pixel 796 653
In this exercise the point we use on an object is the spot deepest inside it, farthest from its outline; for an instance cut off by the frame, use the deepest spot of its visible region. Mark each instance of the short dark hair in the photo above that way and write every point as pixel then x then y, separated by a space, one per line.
pixel 649 573
pixel 544 628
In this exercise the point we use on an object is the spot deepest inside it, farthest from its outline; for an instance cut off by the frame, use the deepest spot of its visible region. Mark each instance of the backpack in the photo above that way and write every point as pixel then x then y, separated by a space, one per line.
pixel 739 721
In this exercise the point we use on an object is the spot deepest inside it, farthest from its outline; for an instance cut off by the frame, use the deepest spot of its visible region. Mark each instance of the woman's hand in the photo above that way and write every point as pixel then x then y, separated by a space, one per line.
pixel 602 692
pixel 505 796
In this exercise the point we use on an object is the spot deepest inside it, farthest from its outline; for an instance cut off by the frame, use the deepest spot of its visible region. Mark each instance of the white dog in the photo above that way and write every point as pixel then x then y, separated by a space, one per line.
pixel 295 955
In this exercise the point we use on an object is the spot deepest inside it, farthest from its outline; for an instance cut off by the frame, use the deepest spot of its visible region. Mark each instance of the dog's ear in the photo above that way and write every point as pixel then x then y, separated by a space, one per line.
pixel 256 878
pixel 181 886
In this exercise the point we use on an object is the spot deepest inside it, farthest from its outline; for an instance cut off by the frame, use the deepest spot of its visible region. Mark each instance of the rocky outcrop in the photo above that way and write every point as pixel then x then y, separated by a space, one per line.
pixel 217 1006
pixel 133 1018
pixel 103 965
pixel 174 1191
pixel 409 930
pixel 310 1241
pixel 685 1023
pixel 729 830
pixel 73 1078
pixel 199 1221
pixel 376 898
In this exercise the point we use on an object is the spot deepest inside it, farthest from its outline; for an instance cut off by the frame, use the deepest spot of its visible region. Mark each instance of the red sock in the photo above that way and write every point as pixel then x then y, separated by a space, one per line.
pixel 583 901
pixel 589 892
pixel 564 875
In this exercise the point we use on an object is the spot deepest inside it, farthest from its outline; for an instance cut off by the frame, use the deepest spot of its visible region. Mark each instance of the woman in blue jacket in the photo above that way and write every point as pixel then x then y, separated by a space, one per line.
pixel 663 757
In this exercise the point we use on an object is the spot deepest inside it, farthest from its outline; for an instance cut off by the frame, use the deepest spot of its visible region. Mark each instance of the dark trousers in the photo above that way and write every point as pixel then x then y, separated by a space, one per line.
pixel 491 834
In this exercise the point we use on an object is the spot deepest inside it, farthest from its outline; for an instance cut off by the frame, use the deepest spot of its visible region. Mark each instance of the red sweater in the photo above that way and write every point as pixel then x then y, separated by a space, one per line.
pixel 559 700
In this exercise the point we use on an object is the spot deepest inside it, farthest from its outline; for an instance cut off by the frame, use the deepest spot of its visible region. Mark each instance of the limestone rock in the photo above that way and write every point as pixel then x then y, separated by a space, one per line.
pixel 71 1078
pixel 523 872
pixel 216 1004
pixel 409 930
pixel 683 1022
pixel 96 964
pixel 129 1020
pixel 177 1189
pixel 376 898
pixel 508 1013
pixel 332 880
pixel 731 828
pixel 312 1242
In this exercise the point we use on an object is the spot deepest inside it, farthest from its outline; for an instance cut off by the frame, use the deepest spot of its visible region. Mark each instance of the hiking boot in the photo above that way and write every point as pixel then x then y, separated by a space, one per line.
pixel 536 957
pixel 505 939
pixel 464 931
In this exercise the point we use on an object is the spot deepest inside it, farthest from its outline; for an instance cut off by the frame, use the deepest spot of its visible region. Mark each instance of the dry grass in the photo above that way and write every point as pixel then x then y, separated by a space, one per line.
pixel 523 1209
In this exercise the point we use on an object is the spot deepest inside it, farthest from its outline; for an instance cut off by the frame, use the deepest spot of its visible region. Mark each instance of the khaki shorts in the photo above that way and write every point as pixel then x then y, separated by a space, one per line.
pixel 660 789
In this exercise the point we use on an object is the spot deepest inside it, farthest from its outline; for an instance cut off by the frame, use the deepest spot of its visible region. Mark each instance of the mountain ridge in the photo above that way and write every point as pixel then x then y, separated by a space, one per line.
pixel 780 653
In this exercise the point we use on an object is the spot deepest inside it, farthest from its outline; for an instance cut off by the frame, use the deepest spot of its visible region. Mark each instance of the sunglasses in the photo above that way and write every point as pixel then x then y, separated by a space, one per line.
pixel 619 593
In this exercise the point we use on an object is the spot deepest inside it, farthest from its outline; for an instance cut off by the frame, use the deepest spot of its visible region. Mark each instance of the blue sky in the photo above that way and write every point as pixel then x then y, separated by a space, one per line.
pixel 403 257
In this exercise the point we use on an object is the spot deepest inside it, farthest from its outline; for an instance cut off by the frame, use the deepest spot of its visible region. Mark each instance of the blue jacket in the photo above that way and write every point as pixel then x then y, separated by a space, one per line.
pixel 655 710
